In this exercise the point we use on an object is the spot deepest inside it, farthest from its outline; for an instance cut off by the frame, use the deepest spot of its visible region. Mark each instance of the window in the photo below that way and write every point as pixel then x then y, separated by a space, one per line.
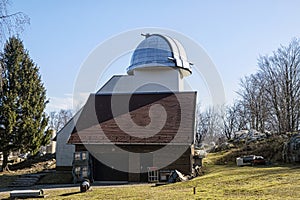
pixel 77 170
pixel 84 172
pixel 152 174
pixel 77 156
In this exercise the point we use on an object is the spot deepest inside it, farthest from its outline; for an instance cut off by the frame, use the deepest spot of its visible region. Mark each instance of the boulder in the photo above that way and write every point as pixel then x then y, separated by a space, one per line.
pixel 248 136
pixel 291 150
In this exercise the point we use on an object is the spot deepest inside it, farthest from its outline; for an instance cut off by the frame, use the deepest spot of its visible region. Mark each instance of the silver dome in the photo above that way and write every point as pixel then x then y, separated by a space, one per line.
pixel 159 51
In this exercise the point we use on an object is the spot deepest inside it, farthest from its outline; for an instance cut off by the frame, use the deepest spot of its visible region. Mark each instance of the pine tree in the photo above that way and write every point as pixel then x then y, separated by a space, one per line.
pixel 22 102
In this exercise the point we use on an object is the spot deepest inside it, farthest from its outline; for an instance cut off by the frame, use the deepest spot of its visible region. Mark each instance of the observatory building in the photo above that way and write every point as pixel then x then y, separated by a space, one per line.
pixel 135 124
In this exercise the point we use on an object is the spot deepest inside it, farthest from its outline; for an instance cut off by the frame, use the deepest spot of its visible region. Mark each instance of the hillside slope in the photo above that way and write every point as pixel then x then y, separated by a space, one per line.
pixel 219 182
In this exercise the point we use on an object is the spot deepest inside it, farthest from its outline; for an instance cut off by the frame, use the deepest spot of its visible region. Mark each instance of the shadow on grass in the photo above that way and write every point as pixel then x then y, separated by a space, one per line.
pixel 57 178
pixel 70 193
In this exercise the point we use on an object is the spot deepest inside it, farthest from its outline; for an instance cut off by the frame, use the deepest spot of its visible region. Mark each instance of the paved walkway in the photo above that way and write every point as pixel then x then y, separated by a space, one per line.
pixel 70 186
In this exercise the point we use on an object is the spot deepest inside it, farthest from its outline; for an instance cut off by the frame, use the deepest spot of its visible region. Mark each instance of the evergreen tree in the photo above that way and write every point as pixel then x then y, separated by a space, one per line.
pixel 22 102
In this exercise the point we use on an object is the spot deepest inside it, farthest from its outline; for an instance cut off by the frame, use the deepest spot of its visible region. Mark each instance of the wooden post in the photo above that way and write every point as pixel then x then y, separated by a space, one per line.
pixel 194 190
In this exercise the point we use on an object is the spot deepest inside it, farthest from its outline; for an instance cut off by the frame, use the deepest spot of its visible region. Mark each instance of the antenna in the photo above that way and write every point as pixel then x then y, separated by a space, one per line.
pixel 146 35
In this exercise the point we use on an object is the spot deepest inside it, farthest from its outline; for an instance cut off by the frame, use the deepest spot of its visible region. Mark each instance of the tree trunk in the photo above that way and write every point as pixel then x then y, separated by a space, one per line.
pixel 5 160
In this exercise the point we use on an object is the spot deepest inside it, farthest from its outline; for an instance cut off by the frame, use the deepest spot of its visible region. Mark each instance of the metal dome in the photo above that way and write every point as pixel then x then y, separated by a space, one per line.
pixel 159 51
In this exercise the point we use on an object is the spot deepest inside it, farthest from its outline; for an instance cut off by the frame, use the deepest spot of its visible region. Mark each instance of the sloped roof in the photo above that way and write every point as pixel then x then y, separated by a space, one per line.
pixel 108 87
pixel 99 122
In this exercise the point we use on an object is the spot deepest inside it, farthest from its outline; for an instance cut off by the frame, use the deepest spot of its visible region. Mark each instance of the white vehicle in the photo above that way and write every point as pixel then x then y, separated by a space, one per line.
pixel 250 160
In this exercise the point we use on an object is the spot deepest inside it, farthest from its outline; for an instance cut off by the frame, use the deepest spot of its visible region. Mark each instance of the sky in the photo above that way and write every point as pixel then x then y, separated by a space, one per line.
pixel 62 34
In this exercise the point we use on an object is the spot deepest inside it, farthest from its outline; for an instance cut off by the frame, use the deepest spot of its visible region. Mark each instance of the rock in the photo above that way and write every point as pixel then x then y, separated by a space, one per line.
pixel 248 136
pixel 291 150
pixel 177 176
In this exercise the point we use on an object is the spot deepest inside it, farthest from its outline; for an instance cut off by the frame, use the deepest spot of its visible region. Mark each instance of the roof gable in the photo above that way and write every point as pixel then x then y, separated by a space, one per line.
pixel 101 123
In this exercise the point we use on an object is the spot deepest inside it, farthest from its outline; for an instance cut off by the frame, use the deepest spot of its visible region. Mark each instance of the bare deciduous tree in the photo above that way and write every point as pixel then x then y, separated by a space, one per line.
pixel 271 97
pixel 209 125
pixel 230 119
pixel 10 24
pixel 57 120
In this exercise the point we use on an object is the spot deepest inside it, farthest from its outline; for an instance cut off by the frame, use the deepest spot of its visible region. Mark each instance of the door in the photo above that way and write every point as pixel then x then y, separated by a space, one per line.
pixel 108 171
pixel 146 160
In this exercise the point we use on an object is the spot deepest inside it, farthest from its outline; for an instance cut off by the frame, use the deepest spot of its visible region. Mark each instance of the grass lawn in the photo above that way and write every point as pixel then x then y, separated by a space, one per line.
pixel 220 182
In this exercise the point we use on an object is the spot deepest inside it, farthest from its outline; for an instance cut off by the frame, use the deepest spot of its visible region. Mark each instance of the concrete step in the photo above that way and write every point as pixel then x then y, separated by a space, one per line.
pixel 26 180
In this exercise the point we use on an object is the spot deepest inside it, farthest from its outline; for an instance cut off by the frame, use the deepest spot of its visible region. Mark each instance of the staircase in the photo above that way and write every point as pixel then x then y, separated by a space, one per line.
pixel 26 180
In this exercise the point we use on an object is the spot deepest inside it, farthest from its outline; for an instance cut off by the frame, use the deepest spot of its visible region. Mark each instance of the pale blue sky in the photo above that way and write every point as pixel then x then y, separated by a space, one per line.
pixel 233 33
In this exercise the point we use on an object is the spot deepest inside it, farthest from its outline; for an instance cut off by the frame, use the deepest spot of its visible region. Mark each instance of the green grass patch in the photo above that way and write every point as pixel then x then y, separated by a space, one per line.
pixel 222 182
pixel 218 182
